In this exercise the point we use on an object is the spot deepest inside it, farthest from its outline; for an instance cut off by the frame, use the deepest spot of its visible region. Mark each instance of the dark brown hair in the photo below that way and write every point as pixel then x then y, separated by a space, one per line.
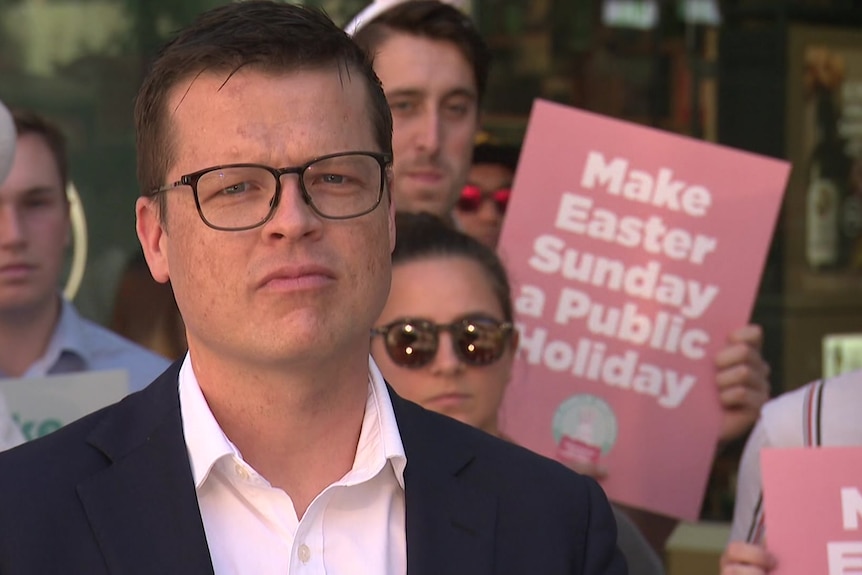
pixel 268 36
pixel 424 236
pixel 434 20
pixel 146 312
pixel 29 122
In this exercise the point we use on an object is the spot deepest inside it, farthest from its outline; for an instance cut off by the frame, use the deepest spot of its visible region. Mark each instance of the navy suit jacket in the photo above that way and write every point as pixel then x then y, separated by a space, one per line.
pixel 113 493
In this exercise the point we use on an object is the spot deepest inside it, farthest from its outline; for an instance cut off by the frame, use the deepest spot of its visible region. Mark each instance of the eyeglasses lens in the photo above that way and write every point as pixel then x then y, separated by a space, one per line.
pixel 501 199
pixel 242 196
pixel 411 344
pixel 476 341
pixel 472 197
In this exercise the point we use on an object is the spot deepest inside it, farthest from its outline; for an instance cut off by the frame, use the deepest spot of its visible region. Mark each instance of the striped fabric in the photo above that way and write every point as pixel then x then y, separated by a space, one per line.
pixel 812 434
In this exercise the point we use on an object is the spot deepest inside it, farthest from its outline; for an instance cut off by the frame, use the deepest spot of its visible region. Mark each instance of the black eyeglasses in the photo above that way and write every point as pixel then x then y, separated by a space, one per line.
pixel 237 197
pixel 477 340
pixel 472 197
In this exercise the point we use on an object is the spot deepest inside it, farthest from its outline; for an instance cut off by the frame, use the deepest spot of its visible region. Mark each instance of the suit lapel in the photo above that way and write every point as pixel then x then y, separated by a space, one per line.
pixel 143 506
pixel 450 524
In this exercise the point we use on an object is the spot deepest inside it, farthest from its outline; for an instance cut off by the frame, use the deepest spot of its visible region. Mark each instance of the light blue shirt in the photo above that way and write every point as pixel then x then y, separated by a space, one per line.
pixel 81 345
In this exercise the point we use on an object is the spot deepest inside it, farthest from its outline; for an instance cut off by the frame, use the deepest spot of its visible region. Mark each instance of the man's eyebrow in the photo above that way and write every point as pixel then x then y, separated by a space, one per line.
pixel 406 93
pixel 419 93
pixel 37 191
pixel 461 93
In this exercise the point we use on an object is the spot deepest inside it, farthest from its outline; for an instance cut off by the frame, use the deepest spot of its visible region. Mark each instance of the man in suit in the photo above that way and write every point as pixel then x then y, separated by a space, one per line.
pixel 275 446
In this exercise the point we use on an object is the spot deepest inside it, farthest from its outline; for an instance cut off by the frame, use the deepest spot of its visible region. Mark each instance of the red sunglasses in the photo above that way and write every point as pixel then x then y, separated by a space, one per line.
pixel 473 196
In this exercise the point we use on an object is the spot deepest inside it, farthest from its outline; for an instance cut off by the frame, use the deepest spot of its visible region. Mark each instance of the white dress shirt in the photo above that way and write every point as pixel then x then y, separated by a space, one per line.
pixel 356 525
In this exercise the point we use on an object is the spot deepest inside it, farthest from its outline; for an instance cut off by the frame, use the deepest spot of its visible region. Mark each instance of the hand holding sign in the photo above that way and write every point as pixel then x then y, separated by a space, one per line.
pixel 747 558
pixel 742 380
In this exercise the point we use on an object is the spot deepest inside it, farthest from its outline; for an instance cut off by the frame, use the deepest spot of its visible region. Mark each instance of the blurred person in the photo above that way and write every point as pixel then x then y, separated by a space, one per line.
pixel 446 339
pixel 274 445
pixel 434 67
pixel 146 312
pixel 823 412
pixel 41 333
pixel 483 201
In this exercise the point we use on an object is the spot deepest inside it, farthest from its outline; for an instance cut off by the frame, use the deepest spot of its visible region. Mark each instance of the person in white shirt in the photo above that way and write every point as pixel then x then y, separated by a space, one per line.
pixel 823 412
pixel 264 163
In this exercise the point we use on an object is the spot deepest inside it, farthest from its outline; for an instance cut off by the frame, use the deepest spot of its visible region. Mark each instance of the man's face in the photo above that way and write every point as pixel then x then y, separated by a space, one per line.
pixel 431 90
pixel 34 228
pixel 299 288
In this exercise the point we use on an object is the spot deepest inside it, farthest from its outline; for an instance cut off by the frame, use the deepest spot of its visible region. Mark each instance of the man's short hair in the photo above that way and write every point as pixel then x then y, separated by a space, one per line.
pixel 500 154
pixel 267 36
pixel 433 20
pixel 30 122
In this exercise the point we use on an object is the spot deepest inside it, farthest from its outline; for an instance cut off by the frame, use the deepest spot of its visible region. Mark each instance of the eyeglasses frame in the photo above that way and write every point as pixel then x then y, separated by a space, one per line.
pixel 485 195
pixel 192 179
pixel 506 328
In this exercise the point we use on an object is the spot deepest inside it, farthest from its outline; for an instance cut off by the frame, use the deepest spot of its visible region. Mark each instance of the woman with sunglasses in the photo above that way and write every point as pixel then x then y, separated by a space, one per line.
pixel 446 341
pixel 483 201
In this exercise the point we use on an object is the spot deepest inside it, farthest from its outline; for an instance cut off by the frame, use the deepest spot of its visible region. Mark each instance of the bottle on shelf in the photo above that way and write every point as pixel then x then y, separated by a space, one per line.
pixel 828 206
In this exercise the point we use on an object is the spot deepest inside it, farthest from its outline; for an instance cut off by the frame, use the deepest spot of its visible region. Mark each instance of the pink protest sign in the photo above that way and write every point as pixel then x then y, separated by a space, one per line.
pixel 633 253
pixel 813 509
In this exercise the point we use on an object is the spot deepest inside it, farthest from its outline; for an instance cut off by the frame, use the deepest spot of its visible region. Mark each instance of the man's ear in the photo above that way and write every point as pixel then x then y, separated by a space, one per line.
pixel 153 238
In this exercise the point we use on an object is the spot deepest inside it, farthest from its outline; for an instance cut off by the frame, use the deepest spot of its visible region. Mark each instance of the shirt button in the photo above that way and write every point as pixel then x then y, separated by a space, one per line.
pixel 241 471
pixel 304 553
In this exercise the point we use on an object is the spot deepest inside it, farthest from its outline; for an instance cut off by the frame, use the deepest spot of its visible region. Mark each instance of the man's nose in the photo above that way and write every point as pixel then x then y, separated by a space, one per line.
pixel 446 362
pixel 429 130
pixel 293 217
pixel 11 227
pixel 488 210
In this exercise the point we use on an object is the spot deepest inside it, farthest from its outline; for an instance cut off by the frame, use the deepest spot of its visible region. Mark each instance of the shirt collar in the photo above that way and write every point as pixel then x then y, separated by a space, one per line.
pixel 379 439
pixel 68 337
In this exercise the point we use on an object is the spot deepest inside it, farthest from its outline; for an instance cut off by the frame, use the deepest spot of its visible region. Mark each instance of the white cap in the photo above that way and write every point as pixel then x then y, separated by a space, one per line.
pixel 378 7
pixel 7 141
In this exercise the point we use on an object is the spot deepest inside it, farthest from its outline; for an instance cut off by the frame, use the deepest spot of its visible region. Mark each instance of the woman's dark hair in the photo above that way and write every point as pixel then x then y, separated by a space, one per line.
pixel 423 236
